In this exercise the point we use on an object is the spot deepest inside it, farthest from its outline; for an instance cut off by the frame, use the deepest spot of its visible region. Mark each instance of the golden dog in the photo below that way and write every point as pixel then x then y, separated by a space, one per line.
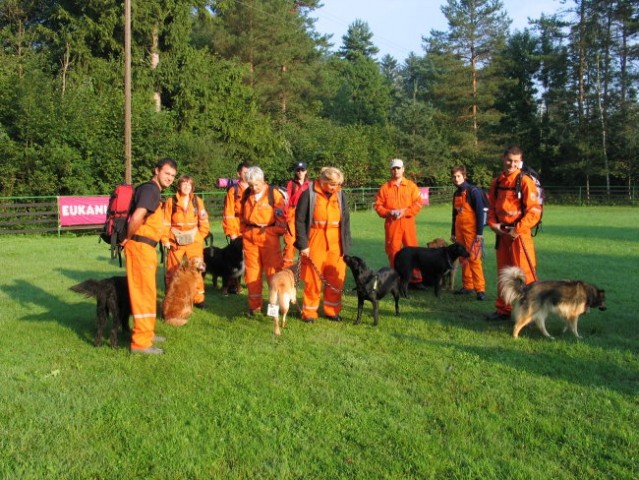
pixel 534 302
pixel 177 306
pixel 448 280
pixel 281 294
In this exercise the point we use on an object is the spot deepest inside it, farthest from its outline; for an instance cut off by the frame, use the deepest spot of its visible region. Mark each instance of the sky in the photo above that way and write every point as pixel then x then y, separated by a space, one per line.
pixel 398 25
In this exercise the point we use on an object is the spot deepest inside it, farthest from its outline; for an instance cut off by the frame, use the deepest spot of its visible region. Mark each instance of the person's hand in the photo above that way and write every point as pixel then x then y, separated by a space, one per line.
pixel 305 252
pixel 167 245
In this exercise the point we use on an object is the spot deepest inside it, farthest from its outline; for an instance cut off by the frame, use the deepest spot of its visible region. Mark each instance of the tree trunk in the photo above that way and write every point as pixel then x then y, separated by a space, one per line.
pixel 155 60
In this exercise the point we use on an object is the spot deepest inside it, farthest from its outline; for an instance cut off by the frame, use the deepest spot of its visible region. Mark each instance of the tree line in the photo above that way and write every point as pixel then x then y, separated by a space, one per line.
pixel 216 82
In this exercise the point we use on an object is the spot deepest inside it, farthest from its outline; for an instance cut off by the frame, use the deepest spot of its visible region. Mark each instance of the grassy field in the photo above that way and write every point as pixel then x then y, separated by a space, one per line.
pixel 434 393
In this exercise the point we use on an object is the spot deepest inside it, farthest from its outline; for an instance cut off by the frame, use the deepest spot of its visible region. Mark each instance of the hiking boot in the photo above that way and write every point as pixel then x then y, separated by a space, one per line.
pixel 464 291
pixel 200 305
pixel 308 320
pixel 253 313
pixel 158 339
pixel 498 317
pixel 416 286
pixel 334 318
pixel 481 296
pixel 152 350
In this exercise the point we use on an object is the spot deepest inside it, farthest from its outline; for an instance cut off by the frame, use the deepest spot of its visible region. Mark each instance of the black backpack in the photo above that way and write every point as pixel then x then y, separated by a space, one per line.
pixel 117 219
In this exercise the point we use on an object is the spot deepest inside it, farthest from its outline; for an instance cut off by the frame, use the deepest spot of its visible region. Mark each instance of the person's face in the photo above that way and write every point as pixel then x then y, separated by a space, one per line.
pixel 397 172
pixel 511 162
pixel 242 174
pixel 186 188
pixel 328 186
pixel 257 186
pixel 165 175
pixel 300 173
pixel 458 178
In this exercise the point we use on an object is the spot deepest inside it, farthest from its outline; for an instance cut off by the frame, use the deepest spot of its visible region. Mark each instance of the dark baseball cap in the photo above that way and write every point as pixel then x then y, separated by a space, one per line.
pixel 300 166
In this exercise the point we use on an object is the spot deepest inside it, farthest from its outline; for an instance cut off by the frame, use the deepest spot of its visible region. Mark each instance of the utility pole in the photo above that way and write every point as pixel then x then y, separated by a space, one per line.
pixel 127 91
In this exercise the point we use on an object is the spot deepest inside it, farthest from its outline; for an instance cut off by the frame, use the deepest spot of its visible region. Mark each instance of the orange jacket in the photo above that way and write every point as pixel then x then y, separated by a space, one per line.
pixel 184 219
pixel 505 207
pixel 260 220
pixel 393 197
pixel 232 210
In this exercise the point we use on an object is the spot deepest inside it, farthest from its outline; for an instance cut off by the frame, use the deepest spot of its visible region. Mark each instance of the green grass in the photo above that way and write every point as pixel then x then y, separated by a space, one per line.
pixel 434 393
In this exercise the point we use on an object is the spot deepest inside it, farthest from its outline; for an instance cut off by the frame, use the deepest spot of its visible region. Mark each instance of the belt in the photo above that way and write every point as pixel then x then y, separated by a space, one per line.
pixel 252 225
pixel 147 240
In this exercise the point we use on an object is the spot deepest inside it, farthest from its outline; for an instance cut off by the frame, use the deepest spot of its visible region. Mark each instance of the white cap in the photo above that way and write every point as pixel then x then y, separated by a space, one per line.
pixel 396 162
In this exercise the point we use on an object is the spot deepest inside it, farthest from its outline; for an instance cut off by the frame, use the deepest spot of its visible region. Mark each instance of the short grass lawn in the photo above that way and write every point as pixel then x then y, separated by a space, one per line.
pixel 434 393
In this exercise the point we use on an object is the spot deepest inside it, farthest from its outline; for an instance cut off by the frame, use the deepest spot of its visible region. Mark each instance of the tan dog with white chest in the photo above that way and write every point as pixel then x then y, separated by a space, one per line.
pixel 281 294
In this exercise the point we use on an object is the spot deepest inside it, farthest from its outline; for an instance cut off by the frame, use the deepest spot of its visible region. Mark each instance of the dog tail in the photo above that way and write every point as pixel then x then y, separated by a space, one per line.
pixel 512 281
pixel 88 288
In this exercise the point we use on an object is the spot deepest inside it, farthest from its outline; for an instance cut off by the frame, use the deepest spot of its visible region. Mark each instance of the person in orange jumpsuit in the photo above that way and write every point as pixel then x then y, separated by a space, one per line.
pixel 231 214
pixel 187 226
pixel 262 223
pixel 294 189
pixel 145 229
pixel 232 205
pixel 468 229
pixel 323 237
pixel 511 217
pixel 398 202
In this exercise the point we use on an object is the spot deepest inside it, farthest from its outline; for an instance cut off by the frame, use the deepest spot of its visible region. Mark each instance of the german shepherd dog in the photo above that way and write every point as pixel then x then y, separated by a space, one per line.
pixel 112 296
pixel 227 263
pixel 372 286
pixel 534 302
pixel 281 294
pixel 177 306
pixel 433 263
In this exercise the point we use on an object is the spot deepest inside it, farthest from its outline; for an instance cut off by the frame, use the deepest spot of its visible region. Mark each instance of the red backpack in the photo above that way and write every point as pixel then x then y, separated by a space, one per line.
pixel 117 219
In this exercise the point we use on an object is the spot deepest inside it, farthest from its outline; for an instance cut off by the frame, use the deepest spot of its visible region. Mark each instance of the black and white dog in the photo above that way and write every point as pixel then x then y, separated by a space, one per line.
pixel 227 263
pixel 372 286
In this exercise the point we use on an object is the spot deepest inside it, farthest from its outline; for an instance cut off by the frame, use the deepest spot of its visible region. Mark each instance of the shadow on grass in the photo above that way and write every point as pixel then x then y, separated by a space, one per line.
pixel 584 371
pixel 74 317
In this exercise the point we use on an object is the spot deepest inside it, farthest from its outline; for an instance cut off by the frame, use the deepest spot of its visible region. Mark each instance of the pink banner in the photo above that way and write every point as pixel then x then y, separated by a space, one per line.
pixel 425 194
pixel 82 210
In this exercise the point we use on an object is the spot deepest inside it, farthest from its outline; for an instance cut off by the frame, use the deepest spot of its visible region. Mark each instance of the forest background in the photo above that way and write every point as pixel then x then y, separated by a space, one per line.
pixel 216 82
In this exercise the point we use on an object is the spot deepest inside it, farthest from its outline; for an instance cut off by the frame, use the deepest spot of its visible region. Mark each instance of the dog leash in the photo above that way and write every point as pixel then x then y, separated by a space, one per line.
pixel 321 277
pixel 523 247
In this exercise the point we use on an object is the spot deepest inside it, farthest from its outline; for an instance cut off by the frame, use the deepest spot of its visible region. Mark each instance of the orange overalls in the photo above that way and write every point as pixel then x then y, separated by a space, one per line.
pixel 261 225
pixel 506 208
pixel 466 232
pixel 232 209
pixel 141 268
pixel 182 216
pixel 294 190
pixel 325 251
pixel 400 232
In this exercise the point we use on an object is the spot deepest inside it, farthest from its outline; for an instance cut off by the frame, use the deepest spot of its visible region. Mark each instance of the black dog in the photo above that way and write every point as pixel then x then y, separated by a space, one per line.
pixel 112 295
pixel 432 262
pixel 227 263
pixel 372 286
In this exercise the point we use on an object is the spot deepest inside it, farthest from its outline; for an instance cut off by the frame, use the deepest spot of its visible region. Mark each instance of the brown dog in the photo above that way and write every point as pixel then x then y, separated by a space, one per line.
pixel 534 302
pixel 177 306
pixel 448 280
pixel 281 294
